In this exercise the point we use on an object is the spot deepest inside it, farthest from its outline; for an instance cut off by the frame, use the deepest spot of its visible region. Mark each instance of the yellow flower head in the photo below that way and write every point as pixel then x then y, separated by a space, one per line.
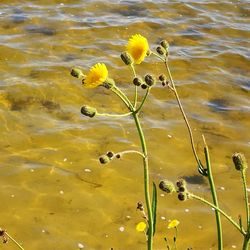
pixel 138 48
pixel 96 76
pixel 141 226
pixel 173 224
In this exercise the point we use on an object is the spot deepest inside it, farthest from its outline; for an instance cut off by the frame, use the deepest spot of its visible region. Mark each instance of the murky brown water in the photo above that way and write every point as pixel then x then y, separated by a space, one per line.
pixel 54 193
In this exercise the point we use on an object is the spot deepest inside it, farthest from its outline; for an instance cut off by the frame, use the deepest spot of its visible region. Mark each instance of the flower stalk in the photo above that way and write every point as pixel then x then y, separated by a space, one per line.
pixel 214 196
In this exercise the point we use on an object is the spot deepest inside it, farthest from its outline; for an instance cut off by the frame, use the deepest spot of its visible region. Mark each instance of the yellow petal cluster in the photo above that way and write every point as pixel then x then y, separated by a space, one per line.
pixel 96 76
pixel 173 224
pixel 138 48
pixel 141 226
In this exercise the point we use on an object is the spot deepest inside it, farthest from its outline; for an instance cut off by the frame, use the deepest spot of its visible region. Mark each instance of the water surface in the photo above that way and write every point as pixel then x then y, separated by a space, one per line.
pixel 54 192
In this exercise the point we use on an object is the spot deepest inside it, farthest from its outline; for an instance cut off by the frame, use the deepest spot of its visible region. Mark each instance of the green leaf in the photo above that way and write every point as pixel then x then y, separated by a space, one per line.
pixel 154 206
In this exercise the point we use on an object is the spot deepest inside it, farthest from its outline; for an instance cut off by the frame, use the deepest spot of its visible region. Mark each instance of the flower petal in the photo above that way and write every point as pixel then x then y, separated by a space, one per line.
pixel 138 48
pixel 96 76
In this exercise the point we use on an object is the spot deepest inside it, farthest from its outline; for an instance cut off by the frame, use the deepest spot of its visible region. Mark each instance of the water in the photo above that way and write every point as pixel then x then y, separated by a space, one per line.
pixel 54 192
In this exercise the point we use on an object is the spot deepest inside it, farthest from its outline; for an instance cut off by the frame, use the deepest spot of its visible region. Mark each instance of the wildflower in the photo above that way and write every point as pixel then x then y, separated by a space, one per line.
pixel 138 48
pixel 96 76
pixel 173 223
pixel 141 226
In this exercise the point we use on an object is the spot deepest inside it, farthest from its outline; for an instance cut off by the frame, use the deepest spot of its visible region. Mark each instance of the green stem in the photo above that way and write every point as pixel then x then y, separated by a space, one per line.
pixel 158 56
pixel 130 152
pixel 143 100
pixel 146 181
pixel 123 97
pixel 13 240
pixel 214 196
pixel 113 115
pixel 136 88
pixel 246 242
pixel 247 236
pixel 243 176
pixel 183 113
pixel 241 230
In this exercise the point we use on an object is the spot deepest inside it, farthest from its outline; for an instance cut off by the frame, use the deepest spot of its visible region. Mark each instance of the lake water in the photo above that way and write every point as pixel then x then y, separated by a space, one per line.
pixel 54 193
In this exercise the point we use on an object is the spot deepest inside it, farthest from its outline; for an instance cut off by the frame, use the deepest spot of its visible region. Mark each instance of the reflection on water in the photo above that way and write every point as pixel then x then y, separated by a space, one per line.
pixel 54 193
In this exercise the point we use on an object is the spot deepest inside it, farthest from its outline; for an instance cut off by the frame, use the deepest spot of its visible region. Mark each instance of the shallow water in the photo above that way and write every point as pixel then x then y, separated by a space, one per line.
pixel 54 192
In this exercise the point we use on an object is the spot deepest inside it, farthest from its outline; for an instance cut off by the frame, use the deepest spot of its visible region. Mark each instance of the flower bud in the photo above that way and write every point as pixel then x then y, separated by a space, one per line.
pixel 76 72
pixel 167 186
pixel 182 196
pixel 181 183
pixel 108 83
pixel 160 50
pixel 118 156
pixel 104 159
pixel 240 161
pixel 137 81
pixel 162 78
pixel 110 154
pixel 144 86
pixel 88 111
pixel 126 58
pixel 150 80
pixel 164 44
pixel 182 189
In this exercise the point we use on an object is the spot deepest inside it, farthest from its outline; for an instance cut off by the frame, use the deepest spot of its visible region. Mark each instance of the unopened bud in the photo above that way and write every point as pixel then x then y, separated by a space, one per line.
pixel 240 161
pixel 167 186
pixel 108 83
pixel 182 196
pixel 104 159
pixel 150 80
pixel 164 44
pixel 137 81
pixel 126 58
pixel 110 154
pixel 162 78
pixel 182 189
pixel 160 50
pixel 88 111
pixel 144 86
pixel 181 183
pixel 76 72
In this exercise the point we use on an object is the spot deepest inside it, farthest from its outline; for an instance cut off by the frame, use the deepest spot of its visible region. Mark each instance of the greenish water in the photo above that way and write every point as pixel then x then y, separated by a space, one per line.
pixel 54 193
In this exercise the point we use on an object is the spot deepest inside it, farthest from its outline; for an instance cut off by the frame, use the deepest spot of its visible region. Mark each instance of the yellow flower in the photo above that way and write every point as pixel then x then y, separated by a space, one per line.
pixel 138 48
pixel 96 76
pixel 141 226
pixel 173 223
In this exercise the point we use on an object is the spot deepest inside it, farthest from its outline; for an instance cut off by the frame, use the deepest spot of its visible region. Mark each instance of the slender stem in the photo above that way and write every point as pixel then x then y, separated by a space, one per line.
pixel 113 115
pixel 146 181
pixel 136 88
pixel 130 152
pixel 12 239
pixel 143 100
pixel 243 176
pixel 123 97
pixel 214 196
pixel 155 54
pixel 183 113
pixel 246 242
pixel 241 230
